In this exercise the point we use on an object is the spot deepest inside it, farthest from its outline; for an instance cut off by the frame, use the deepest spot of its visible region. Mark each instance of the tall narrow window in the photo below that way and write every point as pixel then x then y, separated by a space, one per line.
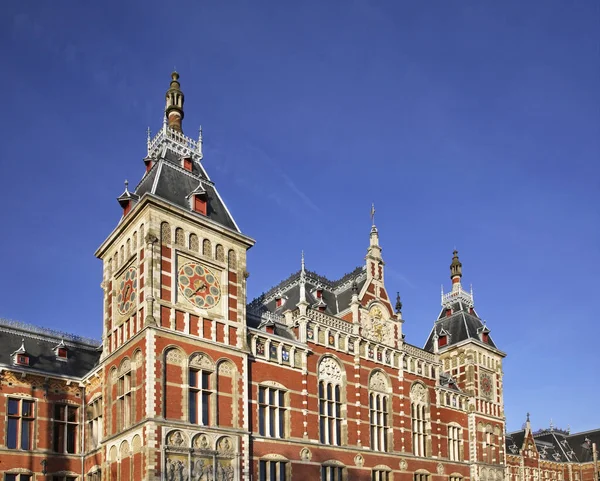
pixel 332 473
pixel 330 402
pixel 330 417
pixel 379 411
pixel 421 477
pixel 124 399
pixel 199 396
pixel 272 471
pixel 454 437
pixel 65 428
pixel 418 410
pixel 94 424
pixel 19 428
pixel 271 412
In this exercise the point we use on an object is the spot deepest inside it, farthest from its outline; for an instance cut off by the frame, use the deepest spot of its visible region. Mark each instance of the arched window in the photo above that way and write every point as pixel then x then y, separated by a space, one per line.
pixel 231 259
pixel 418 410
pixel 274 467
pixel 206 248
pixel 165 233
pixel 330 402
pixel 379 411
pixel 194 242
pixel 179 237
pixel 220 253
pixel 124 396
pixel 272 410
pixel 201 382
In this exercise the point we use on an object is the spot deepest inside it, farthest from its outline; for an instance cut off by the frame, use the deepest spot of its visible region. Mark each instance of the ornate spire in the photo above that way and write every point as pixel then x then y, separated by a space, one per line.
pixel 398 303
pixel 302 281
pixel 174 107
pixel 455 269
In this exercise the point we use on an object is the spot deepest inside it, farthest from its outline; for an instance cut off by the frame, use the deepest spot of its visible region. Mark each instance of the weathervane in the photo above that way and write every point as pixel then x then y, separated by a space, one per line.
pixel 373 214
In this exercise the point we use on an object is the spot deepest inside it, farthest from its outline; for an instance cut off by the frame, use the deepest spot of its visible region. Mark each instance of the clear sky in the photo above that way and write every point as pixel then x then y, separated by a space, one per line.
pixel 470 124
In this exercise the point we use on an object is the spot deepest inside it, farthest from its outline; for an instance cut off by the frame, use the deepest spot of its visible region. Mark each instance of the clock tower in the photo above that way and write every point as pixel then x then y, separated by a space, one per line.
pixel 473 363
pixel 174 280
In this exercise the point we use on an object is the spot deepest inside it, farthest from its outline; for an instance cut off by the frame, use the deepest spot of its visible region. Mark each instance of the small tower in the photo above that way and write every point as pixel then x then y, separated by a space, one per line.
pixel 174 107
pixel 455 271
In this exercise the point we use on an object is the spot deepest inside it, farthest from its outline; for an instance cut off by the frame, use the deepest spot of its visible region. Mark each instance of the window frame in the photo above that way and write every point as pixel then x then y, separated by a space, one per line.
pixel 18 420
pixel 274 470
pixel 379 415
pixel 94 423
pixel 69 429
pixel 454 442
pixel 272 413
pixel 125 399
pixel 202 395
pixel 332 472
pixel 330 412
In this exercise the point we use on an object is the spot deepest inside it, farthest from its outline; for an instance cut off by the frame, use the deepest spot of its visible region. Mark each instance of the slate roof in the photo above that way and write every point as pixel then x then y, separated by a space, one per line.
pixel 337 294
pixel 168 180
pixel 461 325
pixel 557 445
pixel 82 354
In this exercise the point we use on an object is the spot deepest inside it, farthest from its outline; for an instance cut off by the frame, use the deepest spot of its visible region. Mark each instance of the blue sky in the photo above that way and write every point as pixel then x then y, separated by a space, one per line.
pixel 469 124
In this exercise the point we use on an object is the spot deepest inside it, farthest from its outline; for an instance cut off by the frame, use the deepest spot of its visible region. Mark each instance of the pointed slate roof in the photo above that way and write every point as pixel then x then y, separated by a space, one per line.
pixel 40 344
pixel 557 445
pixel 168 180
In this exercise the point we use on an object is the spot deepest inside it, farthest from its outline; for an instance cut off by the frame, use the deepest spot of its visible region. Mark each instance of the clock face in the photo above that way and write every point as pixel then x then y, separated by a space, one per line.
pixel 199 285
pixel 126 291
pixel 486 385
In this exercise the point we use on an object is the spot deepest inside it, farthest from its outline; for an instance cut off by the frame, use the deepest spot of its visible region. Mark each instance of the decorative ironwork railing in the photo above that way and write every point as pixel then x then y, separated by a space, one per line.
pixel 177 141
pixel 49 332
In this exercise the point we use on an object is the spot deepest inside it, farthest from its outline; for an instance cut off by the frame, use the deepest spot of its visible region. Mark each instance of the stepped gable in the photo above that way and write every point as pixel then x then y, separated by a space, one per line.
pixel 40 344
pixel 336 294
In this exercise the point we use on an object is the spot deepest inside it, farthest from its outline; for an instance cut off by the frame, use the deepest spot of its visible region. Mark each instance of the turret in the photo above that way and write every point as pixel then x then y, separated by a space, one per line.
pixel 174 107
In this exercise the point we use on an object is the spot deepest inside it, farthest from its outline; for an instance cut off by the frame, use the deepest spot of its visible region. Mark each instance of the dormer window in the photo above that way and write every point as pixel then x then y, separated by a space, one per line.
pixel 484 334
pixel 319 293
pixel 198 200
pixel 20 356
pixel 149 162
pixel 448 312
pixel 443 340
pixel 280 301
pixel 186 162
pixel 22 359
pixel 61 351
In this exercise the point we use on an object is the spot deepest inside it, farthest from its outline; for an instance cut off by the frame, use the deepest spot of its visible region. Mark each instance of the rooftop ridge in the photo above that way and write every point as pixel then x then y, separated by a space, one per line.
pixel 311 275
pixel 58 335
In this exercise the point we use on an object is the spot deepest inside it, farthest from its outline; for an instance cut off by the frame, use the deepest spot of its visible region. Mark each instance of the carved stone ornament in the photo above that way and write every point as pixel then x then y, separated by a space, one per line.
pixel 125 366
pixel 174 356
pixel 305 454
pixel 418 394
pixel 202 442
pixel 329 369
pixel 403 465
pixel 139 357
pixel 440 469
pixel 225 369
pixel 376 327
pixel 225 445
pixel 359 460
pixel 378 382
pixel 177 439
pixel 201 361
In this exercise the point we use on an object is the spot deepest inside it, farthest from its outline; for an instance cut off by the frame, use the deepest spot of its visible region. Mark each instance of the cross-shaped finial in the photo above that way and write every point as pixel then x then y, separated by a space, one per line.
pixel 527 417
